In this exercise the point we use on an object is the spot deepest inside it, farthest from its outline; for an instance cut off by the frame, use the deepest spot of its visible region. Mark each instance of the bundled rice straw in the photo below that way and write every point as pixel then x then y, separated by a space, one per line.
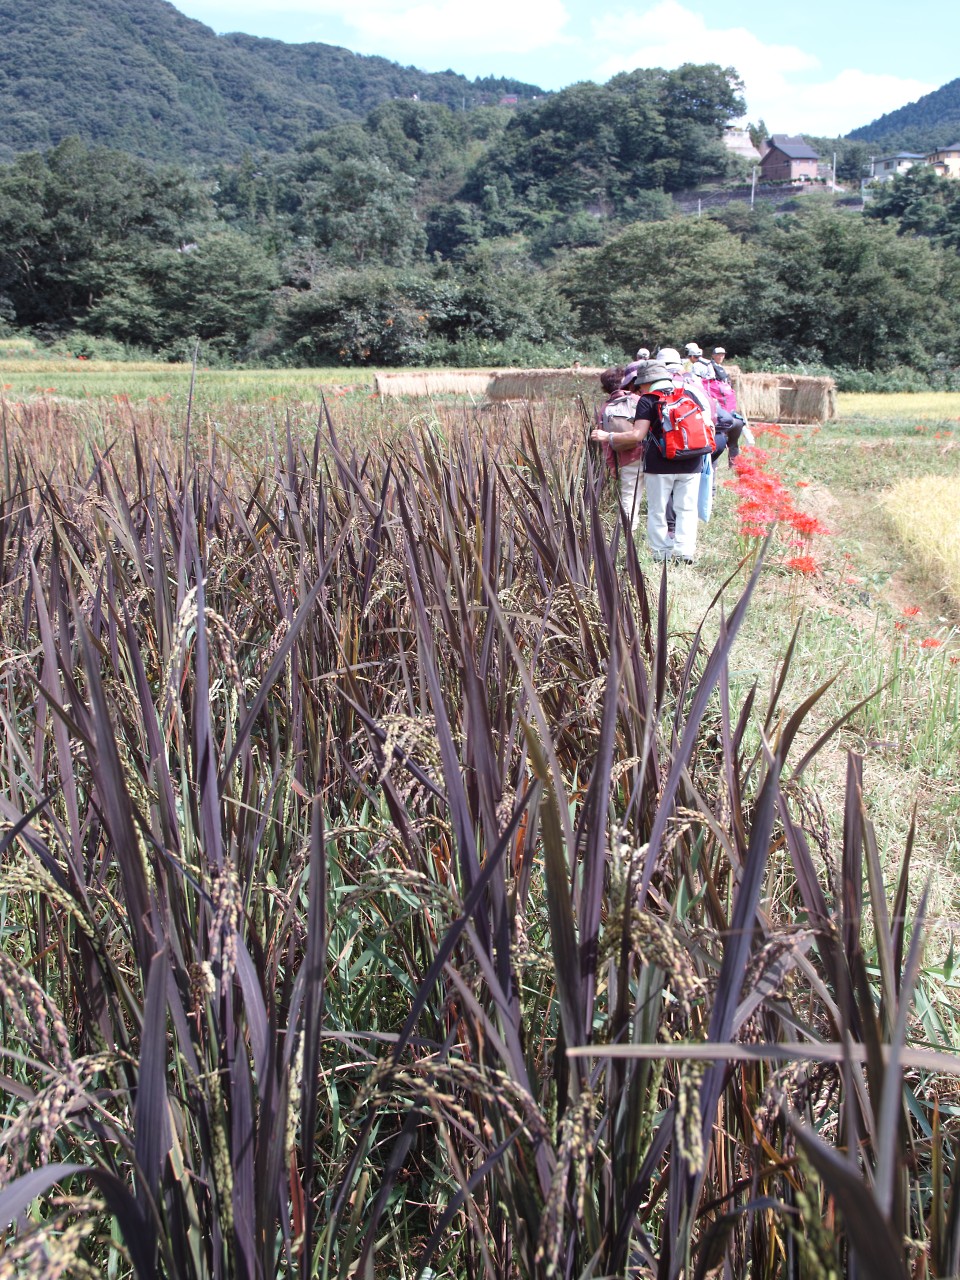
pixel 439 382
pixel 785 397
pixel 542 384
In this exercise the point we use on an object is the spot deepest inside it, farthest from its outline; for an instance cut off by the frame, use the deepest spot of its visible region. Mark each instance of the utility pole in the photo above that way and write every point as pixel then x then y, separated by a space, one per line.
pixel 753 186
pixel 834 171
pixel 699 206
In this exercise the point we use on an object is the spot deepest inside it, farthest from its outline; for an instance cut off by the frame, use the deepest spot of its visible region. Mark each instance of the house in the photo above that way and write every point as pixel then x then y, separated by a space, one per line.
pixel 946 160
pixel 788 159
pixel 883 168
pixel 738 141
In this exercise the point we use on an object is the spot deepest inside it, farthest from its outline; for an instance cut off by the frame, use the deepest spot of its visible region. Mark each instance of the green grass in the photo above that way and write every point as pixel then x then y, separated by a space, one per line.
pixel 142 382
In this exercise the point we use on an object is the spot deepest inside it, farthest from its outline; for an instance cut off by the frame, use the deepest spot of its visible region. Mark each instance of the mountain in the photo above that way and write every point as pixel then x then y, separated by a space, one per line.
pixel 931 121
pixel 140 76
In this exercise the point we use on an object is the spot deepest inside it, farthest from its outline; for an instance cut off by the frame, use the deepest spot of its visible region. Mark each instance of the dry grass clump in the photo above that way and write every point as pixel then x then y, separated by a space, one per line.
pixel 925 512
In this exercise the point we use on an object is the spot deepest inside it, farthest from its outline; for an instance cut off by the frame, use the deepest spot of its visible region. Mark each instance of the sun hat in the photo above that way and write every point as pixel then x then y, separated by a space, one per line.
pixel 643 354
pixel 651 371
pixel 669 355
pixel 692 349
pixel 629 371
pixel 719 351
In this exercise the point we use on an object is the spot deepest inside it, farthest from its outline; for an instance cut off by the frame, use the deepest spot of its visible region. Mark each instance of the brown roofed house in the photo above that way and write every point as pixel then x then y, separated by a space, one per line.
pixel 788 160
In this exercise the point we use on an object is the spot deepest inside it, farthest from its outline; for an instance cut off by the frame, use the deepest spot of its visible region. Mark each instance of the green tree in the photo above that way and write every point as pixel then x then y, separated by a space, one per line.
pixel 919 202
pixel 662 283
pixel 597 147
pixel 219 290
pixel 362 211
pixel 71 220
pixel 845 291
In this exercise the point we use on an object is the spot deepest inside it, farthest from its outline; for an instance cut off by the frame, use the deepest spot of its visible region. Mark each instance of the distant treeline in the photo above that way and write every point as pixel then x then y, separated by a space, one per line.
pixel 426 235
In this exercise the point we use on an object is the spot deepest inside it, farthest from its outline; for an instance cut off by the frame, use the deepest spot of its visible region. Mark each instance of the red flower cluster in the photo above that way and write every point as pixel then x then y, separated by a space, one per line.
pixel 765 501
pixel 802 564
pixel 806 525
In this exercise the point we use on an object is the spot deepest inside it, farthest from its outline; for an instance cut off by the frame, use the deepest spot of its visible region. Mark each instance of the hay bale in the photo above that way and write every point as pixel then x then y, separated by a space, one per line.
pixel 758 396
pixel 434 382
pixel 543 384
pixel 785 397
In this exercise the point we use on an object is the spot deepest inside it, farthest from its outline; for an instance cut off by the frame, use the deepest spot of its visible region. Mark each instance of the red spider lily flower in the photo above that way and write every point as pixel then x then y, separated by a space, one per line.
pixel 852 580
pixel 911 611
pixel 899 625
pixel 930 642
pixel 803 484
pixel 806 525
pixel 8 386
pixel 918 427
pixel 803 564
pixel 955 659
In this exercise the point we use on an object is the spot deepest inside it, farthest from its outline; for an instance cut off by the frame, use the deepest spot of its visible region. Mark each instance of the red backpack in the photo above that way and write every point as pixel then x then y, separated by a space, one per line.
pixel 687 433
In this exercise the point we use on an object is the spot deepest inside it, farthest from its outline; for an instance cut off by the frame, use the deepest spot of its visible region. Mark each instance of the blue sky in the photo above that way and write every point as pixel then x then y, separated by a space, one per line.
pixel 823 67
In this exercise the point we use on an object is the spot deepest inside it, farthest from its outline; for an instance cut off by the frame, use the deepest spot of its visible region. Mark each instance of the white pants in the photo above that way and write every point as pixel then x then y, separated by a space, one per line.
pixel 630 491
pixel 685 490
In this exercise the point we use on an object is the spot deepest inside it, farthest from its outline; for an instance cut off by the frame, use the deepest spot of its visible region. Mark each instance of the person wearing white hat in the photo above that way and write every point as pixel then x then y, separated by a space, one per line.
pixel 695 362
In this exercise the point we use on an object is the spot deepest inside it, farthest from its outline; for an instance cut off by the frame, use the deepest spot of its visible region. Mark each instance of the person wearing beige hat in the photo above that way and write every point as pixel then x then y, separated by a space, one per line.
pixel 719 372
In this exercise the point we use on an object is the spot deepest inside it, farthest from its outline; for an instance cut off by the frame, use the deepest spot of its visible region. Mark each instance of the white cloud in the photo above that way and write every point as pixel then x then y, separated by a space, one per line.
pixel 404 31
pixel 781 82
pixel 496 26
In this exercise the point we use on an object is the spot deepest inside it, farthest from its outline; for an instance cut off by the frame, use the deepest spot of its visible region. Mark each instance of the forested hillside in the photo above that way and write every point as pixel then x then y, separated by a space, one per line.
pixel 140 76
pixel 426 235
pixel 931 121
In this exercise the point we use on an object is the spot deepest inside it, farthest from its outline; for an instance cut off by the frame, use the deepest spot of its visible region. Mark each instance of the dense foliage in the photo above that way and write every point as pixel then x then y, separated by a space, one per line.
pixel 430 236
pixel 147 79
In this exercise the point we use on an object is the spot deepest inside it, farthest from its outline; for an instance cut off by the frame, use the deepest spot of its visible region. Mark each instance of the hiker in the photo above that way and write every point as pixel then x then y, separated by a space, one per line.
pixel 665 477
pixel 696 362
pixel 681 375
pixel 615 416
pixel 642 354
pixel 719 372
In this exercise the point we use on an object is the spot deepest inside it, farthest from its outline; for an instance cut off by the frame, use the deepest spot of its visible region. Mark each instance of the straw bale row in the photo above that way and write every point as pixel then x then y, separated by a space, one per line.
pixel 543 384
pixel 434 382
pixel 785 397
pixel 494 384
pixel 771 397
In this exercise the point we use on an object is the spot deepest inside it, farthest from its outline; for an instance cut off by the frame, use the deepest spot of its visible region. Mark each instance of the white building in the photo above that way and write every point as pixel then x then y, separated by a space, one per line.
pixel 738 141
pixel 883 168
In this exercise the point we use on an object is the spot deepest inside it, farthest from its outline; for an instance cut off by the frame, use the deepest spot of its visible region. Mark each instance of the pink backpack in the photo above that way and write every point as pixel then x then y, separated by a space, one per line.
pixel 721 394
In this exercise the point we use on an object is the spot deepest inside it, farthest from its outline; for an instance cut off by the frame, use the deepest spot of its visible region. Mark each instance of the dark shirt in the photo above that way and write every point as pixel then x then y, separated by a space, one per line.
pixel 654 462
